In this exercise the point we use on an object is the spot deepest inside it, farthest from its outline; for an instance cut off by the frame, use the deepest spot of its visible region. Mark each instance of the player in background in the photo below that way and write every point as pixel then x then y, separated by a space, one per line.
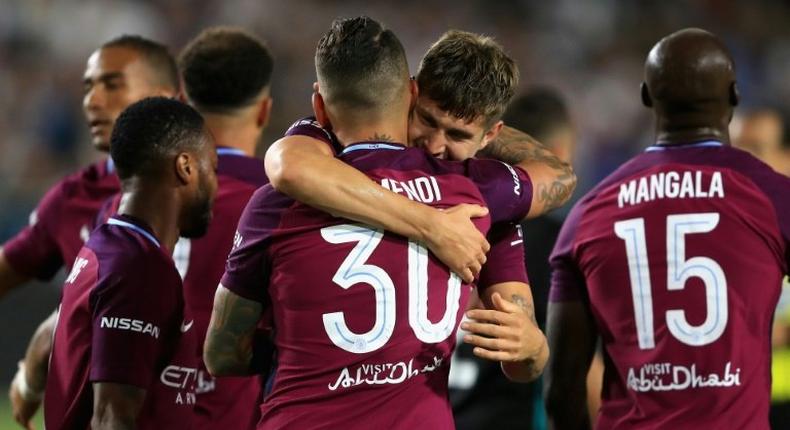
pixel 675 261
pixel 120 72
pixel 454 119
pixel 124 345
pixel 761 132
pixel 227 75
pixel 363 92
pixel 478 391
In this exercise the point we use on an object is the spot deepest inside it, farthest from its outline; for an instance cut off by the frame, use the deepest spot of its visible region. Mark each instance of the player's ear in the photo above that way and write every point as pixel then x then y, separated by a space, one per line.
pixel 492 133
pixel 735 95
pixel 184 168
pixel 646 99
pixel 319 108
pixel 264 112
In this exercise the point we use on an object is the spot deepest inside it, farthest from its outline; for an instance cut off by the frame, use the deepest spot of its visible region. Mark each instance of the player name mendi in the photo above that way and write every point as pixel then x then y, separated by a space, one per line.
pixel 424 189
pixel 671 185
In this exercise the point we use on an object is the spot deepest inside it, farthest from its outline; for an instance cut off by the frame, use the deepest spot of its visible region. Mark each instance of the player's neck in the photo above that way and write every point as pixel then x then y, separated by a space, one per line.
pixel 154 205
pixel 381 131
pixel 234 133
pixel 669 132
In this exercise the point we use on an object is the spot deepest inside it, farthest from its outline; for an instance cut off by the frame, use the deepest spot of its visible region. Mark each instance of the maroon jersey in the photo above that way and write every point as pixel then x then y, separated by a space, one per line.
pixel 223 403
pixel 680 254
pixel 505 259
pixel 364 320
pixel 61 223
pixel 122 320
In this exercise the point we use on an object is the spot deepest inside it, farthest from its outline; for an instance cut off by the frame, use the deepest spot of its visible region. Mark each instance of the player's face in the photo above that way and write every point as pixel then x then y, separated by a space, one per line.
pixel 199 212
pixel 114 78
pixel 442 134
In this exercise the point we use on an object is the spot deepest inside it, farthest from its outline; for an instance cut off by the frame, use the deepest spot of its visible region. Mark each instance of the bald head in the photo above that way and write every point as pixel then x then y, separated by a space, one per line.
pixel 690 70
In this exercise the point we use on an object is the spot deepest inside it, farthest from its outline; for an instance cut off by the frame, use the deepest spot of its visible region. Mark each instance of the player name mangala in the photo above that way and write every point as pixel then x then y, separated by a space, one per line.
pixel 671 185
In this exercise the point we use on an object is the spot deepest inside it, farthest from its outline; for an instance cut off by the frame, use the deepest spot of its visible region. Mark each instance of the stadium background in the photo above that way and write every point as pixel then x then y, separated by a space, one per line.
pixel 591 50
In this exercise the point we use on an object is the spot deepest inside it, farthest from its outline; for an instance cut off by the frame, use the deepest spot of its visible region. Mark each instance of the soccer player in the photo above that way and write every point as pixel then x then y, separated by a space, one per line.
pixel 227 75
pixel 479 393
pixel 675 261
pixel 761 132
pixel 123 353
pixel 120 72
pixel 347 356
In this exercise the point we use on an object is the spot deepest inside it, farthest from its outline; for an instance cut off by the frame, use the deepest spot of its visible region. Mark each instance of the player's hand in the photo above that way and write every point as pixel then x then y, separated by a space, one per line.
pixel 23 410
pixel 455 240
pixel 505 333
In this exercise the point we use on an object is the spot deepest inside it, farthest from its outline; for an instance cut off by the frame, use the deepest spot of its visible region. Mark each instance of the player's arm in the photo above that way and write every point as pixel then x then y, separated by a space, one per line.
pixel 572 336
pixel 9 277
pixel 506 331
pixel 305 169
pixel 28 385
pixel 553 180
pixel 116 406
pixel 233 345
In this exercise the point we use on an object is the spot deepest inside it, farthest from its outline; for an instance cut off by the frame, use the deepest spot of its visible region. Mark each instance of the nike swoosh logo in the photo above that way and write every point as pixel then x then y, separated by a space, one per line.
pixel 185 326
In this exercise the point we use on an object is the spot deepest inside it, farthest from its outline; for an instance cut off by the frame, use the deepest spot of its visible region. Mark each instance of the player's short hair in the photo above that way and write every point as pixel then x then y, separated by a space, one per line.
pixel 468 75
pixel 156 55
pixel 151 131
pixel 538 112
pixel 360 64
pixel 225 69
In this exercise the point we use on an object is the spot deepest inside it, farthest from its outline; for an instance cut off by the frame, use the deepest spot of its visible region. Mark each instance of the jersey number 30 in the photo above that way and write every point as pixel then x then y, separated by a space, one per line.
pixel 354 270
pixel 679 270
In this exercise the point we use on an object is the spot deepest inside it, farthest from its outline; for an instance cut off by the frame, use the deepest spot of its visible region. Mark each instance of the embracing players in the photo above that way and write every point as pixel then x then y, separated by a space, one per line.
pixel 328 364
pixel 675 261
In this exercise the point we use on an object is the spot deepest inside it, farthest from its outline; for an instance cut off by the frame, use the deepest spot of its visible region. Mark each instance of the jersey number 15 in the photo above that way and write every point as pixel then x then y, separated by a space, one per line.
pixel 679 270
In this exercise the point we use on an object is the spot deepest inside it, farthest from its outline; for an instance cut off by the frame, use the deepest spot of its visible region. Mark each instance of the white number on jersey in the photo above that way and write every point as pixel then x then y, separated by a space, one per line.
pixel 353 270
pixel 679 270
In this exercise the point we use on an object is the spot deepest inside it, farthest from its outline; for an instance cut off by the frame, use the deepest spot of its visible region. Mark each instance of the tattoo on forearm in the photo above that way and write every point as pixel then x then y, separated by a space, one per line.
pixel 231 333
pixel 380 138
pixel 525 304
pixel 513 147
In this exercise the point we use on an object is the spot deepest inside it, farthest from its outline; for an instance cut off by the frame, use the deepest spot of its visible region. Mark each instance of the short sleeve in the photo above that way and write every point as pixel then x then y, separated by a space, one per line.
pixel 134 314
pixel 507 190
pixel 34 251
pixel 310 127
pixel 567 280
pixel 248 267
pixel 505 259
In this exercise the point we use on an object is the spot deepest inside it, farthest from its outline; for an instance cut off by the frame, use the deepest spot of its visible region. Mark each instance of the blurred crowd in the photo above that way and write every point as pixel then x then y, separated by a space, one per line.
pixel 592 51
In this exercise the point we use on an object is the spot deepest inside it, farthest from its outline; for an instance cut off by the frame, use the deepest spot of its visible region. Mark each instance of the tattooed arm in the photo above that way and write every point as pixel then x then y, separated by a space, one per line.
pixel 553 180
pixel 506 331
pixel 116 406
pixel 231 341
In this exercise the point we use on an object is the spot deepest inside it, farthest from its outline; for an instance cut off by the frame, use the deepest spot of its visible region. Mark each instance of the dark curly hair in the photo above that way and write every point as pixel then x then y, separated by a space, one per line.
pixel 151 131
pixel 224 69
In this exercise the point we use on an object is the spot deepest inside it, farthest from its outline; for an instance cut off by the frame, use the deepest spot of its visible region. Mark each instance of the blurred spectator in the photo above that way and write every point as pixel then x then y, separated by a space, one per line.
pixel 761 132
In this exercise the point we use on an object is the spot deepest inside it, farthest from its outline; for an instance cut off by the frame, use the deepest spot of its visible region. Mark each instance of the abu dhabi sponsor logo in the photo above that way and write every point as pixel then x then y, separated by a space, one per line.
pixel 675 377
pixel 130 324
pixel 379 374
pixel 79 264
